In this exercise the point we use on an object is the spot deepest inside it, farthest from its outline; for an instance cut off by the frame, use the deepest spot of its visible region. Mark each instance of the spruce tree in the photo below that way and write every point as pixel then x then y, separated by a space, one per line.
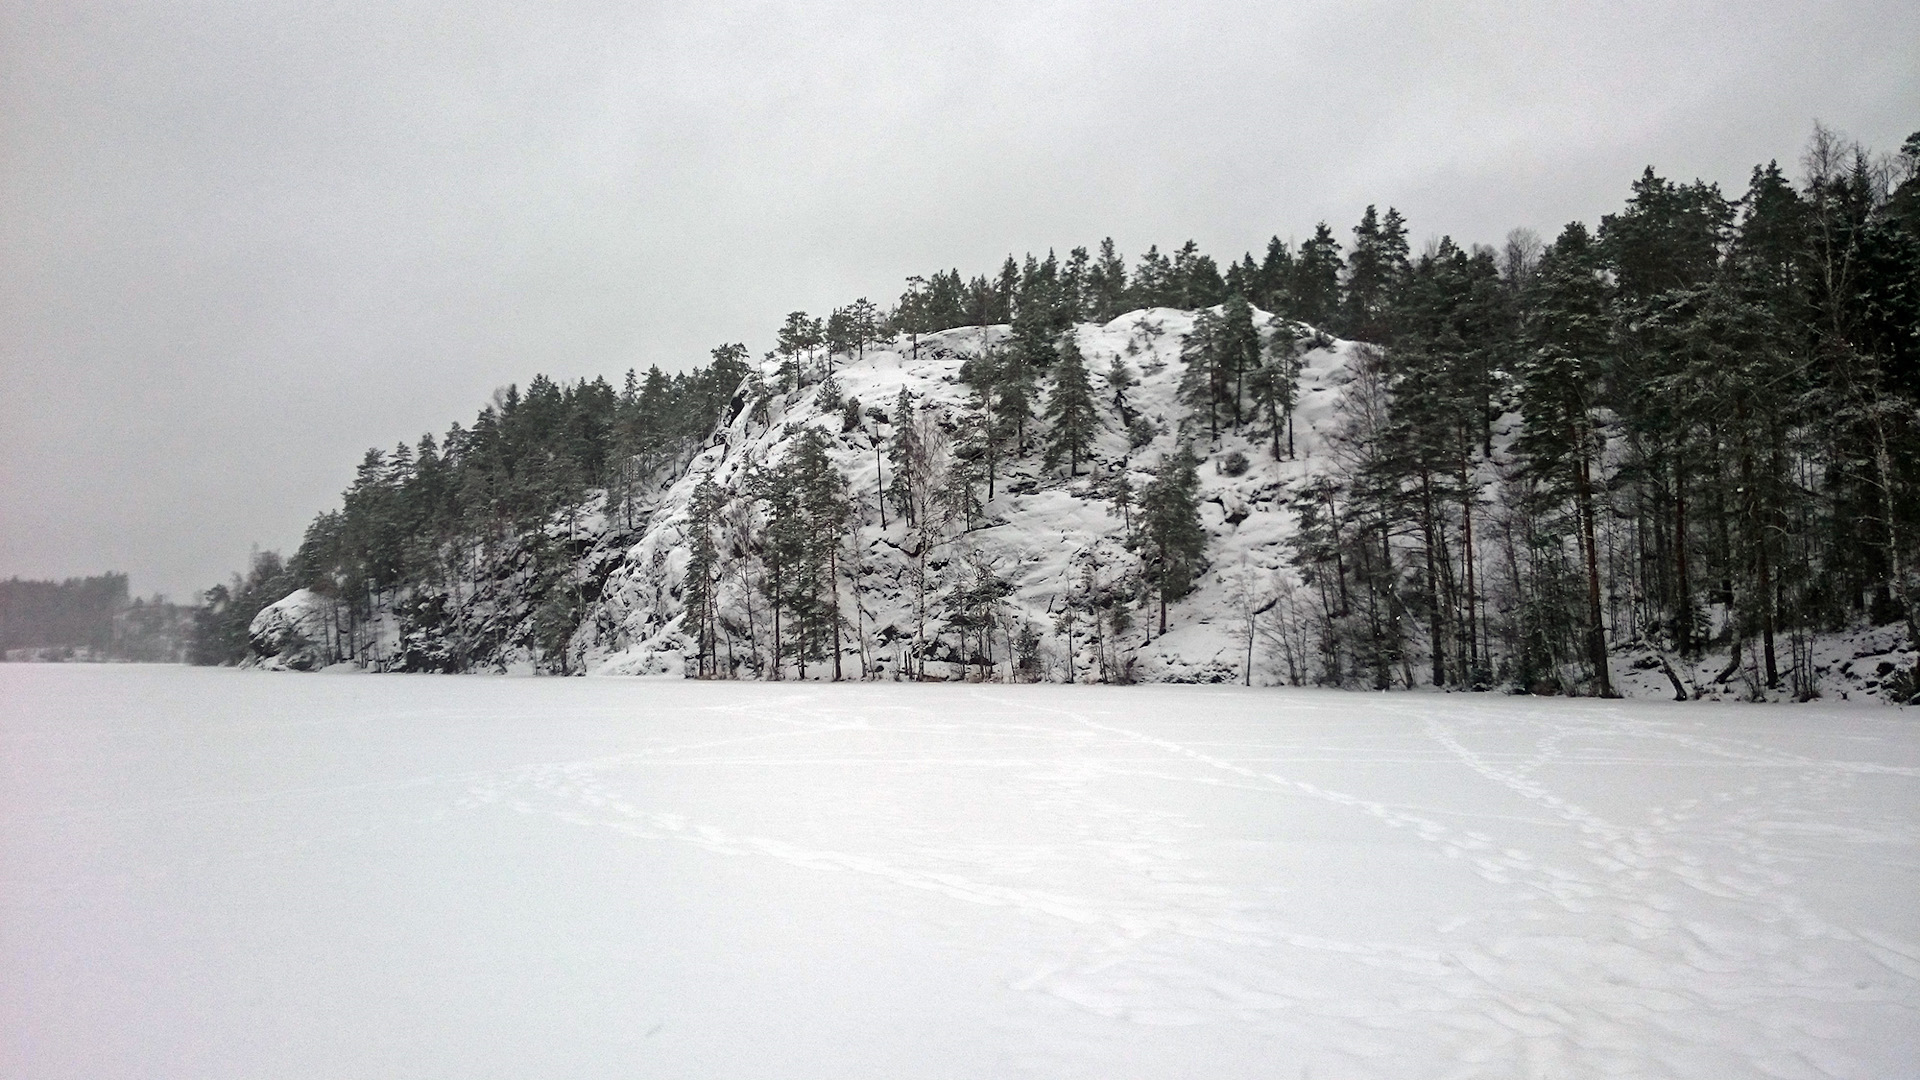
pixel 1070 409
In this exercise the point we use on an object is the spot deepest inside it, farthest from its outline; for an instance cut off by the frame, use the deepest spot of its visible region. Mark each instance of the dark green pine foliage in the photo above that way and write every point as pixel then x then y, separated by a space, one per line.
pixel 415 519
pixel 1071 413
pixel 827 397
pixel 807 513
pixel 1195 281
pixel 1376 268
pixel 783 555
pixel 1664 251
pixel 220 623
pixel 906 459
pixel 1223 348
pixel 1106 289
pixel 1171 540
pixel 1273 385
pixel 702 579
pixel 827 512
pixel 1560 385
pixel 1314 297
pixel 1240 353
pixel 1200 381
pixel 931 304
pixel 1153 283
pixel 1000 405
pixel 1275 284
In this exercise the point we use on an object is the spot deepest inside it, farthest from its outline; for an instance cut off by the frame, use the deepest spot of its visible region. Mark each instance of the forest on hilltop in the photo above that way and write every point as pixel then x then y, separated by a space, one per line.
pixel 1693 427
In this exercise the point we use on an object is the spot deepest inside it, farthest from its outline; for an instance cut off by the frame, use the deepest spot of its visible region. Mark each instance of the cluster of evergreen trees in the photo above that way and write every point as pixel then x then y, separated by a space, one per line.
pixel 1692 427
pixel 1715 438
pixel 424 522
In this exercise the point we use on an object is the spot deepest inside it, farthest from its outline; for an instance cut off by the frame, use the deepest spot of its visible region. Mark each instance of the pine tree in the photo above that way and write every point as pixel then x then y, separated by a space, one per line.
pixel 822 491
pixel 1274 384
pixel 703 574
pixel 782 551
pixel 863 325
pixel 1375 269
pixel 1203 354
pixel 827 398
pixel 1275 288
pixel 907 456
pixel 1070 409
pixel 797 339
pixel 1171 537
pixel 1316 280
pixel 990 428
pixel 959 493
pixel 1107 284
pixel 1559 384
pixel 1239 353
pixel 1152 284
pixel 1119 493
pixel 1194 281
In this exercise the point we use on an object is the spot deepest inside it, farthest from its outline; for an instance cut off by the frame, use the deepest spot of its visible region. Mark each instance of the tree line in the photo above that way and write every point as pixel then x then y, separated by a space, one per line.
pixel 422 524
pixel 1692 427
pixel 89 618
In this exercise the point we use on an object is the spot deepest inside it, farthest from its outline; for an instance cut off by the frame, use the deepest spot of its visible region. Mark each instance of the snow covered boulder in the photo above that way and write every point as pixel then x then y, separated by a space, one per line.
pixel 292 633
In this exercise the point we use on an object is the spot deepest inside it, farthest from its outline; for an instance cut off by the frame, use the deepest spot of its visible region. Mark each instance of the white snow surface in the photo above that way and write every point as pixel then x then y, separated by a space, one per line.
pixel 211 873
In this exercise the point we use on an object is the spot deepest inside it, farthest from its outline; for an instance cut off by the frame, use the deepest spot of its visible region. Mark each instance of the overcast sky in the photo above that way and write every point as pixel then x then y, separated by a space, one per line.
pixel 243 240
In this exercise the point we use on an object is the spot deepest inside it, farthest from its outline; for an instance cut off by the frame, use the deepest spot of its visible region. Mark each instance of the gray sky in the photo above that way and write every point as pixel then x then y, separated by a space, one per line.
pixel 242 242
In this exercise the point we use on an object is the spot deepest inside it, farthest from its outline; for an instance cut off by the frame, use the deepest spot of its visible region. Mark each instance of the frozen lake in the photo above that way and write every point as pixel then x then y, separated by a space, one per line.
pixel 211 874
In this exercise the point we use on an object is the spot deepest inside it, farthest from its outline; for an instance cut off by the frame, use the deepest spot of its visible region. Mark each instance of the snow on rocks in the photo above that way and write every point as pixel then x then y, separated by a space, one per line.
pixel 1041 529
pixel 292 633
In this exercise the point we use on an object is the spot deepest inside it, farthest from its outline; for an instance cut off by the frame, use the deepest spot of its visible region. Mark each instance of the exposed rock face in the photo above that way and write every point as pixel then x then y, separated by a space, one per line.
pixel 294 633
pixel 1051 537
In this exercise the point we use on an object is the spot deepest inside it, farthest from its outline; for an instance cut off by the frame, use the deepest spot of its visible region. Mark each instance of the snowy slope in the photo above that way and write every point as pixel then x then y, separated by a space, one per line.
pixel 213 874
pixel 1041 526
pixel 1044 532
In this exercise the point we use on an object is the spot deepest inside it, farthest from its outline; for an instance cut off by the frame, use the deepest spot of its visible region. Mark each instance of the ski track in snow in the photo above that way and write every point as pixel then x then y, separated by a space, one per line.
pixel 1629 994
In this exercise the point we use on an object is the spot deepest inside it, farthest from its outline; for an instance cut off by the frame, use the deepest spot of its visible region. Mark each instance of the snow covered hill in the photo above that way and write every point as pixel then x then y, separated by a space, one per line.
pixel 1043 531
pixel 1056 543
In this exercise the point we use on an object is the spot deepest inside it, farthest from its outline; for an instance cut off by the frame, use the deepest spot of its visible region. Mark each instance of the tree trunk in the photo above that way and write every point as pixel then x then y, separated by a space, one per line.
pixel 1682 601
pixel 1466 537
pixel 1596 632
pixel 1896 559
pixel 1435 617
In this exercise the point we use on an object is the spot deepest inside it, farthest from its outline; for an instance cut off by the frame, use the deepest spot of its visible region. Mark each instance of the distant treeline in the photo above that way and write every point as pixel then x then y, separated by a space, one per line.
pixel 427 514
pixel 89 618
pixel 1696 425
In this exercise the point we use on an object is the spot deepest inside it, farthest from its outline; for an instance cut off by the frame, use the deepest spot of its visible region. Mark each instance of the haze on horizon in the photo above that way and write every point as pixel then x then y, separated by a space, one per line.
pixel 241 244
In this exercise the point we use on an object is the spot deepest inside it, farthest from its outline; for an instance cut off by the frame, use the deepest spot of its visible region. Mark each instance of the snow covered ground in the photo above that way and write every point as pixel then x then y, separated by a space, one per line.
pixel 209 873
